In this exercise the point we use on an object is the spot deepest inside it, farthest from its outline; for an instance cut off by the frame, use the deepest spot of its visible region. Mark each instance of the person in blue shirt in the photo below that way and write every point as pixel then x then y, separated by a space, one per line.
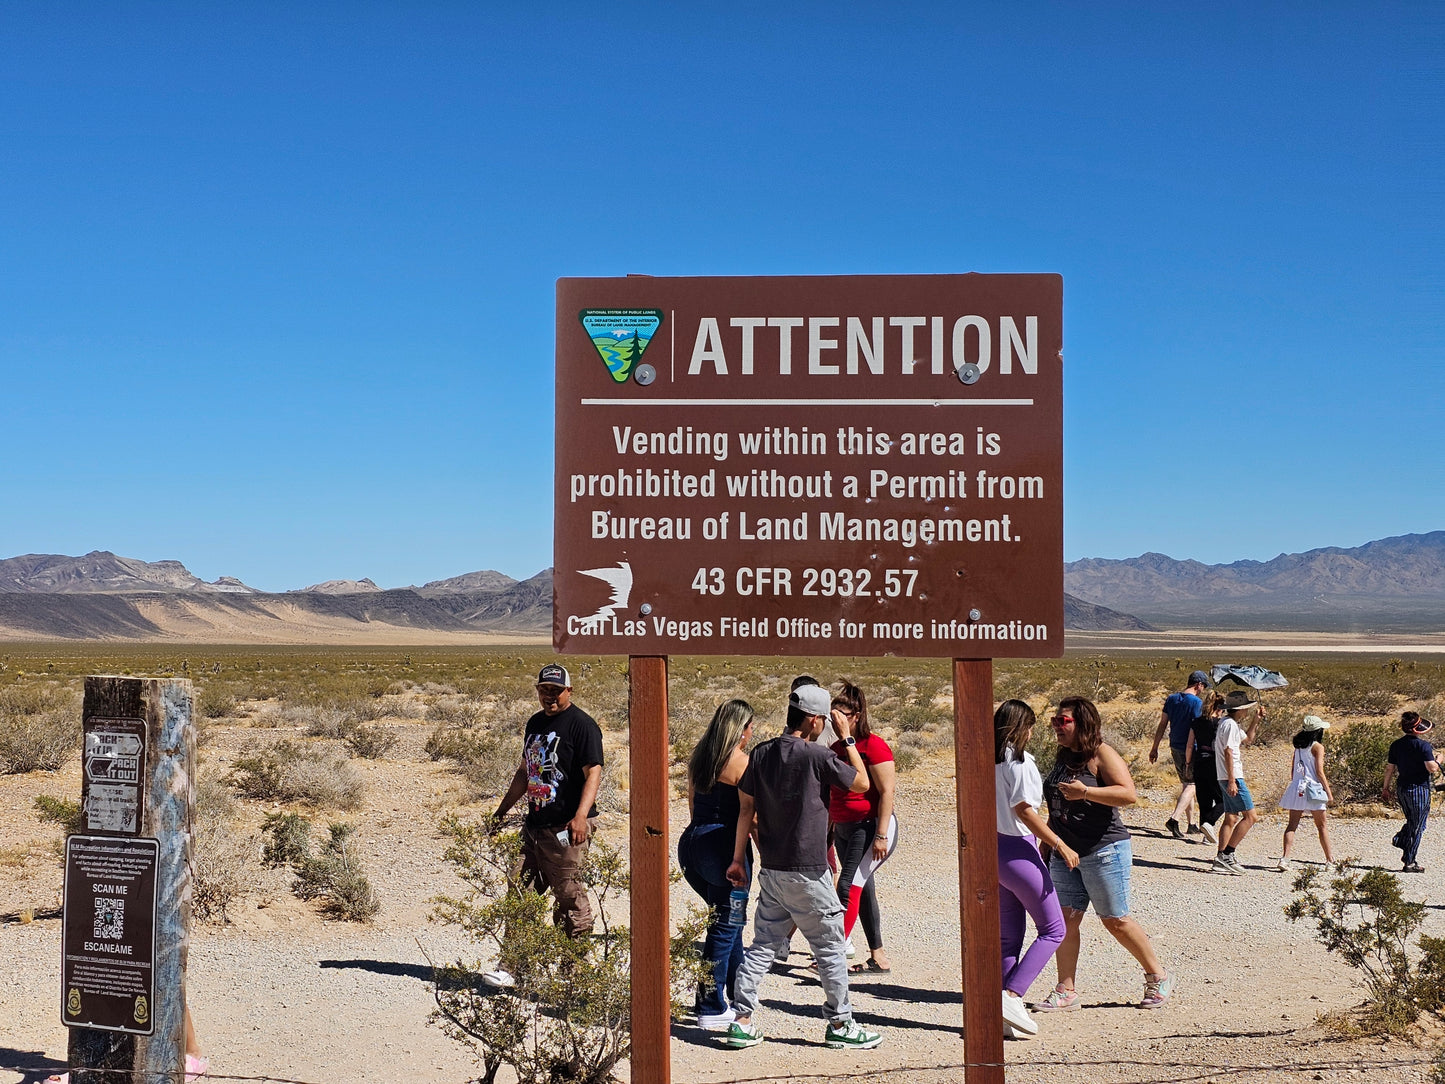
pixel 1412 759
pixel 1177 717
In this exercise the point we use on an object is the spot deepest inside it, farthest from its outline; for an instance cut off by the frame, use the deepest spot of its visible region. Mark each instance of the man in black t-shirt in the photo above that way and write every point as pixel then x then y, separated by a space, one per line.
pixel 560 771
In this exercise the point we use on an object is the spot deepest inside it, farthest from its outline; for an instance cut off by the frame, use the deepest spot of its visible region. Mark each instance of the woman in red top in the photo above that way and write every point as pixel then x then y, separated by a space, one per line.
pixel 862 846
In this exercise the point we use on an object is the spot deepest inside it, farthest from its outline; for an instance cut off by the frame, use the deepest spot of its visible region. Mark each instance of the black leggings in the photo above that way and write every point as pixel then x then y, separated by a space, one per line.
pixel 853 838
pixel 1207 793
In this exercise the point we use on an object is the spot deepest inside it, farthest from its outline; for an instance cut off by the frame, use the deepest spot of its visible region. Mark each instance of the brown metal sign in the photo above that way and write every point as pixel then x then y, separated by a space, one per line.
pixel 108 954
pixel 852 465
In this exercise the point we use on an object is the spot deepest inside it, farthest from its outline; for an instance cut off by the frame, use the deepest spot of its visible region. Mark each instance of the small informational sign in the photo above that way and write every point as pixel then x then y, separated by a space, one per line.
pixel 108 953
pixel 846 465
pixel 114 787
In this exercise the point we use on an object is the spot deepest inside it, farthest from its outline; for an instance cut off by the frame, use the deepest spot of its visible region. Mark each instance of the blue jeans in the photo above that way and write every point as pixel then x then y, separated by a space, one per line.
pixel 1415 803
pixel 704 852
pixel 1102 878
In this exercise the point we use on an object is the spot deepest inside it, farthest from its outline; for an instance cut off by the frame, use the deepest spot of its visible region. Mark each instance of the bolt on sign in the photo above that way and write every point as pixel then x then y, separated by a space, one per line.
pixel 845 465
pixel 107 978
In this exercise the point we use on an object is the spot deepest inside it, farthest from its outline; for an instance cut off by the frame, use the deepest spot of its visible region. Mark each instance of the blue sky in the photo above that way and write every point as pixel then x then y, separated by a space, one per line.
pixel 277 281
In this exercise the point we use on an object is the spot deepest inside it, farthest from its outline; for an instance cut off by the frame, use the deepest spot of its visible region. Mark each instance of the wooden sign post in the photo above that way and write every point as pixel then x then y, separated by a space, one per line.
pixel 852 465
pixel 139 760
pixel 651 932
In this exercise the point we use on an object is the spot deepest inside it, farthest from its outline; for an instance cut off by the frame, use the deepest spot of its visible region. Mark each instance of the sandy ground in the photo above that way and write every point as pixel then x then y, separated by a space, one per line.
pixel 282 993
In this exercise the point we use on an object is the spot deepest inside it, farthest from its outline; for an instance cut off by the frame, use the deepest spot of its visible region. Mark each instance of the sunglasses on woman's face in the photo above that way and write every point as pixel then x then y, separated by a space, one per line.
pixel 1062 720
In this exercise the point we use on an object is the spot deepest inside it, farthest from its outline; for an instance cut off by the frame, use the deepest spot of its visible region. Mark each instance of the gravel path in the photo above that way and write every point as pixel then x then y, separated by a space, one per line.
pixel 286 994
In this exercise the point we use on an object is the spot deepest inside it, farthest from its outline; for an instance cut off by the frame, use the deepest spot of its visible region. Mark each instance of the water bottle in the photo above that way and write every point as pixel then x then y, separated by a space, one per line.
pixel 738 907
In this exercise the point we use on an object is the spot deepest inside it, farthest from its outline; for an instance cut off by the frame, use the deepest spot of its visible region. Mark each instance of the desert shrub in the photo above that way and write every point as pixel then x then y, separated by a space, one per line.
pixel 1365 918
pixel 916 715
pixel 335 876
pixel 1127 727
pixel 291 771
pixel 457 710
pixel 213 702
pixel 486 758
pixel 61 811
pixel 1355 761
pixel 288 838
pixel 325 721
pixel 39 727
pixel 371 741
pixel 1043 746
pixel 222 856
pixel 568 1018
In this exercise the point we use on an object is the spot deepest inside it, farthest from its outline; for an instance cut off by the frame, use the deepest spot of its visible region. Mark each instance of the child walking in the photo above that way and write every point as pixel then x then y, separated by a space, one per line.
pixel 1309 788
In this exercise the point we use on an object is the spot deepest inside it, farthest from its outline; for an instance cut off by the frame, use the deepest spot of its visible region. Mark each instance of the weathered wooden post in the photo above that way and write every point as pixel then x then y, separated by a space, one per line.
pixel 978 918
pixel 651 1001
pixel 128 884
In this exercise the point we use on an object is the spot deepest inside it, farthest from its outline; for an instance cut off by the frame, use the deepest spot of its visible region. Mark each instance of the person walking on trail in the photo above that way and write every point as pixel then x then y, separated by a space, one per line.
pixel 1236 730
pixel 1308 789
pixel 706 850
pixel 1177 716
pixel 784 791
pixel 865 831
pixel 560 772
pixel 1087 787
pixel 1412 759
pixel 1199 755
pixel 1025 889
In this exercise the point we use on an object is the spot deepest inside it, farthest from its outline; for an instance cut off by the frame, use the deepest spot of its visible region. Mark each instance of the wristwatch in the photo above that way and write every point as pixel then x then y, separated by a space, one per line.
pixel 850 740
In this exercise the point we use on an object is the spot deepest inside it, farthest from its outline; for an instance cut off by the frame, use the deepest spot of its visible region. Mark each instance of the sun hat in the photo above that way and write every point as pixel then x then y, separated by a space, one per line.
pixel 1239 701
pixel 1314 722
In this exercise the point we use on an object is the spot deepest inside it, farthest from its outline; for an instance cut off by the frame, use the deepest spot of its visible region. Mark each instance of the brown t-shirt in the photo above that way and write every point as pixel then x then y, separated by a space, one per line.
pixel 788 779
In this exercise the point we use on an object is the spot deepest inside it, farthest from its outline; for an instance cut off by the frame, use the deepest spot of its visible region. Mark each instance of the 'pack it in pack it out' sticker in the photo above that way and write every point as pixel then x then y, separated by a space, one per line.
pixel 621 336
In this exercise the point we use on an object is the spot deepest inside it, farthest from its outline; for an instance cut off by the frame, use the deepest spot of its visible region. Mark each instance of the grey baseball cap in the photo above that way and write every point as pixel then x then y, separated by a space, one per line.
pixel 810 700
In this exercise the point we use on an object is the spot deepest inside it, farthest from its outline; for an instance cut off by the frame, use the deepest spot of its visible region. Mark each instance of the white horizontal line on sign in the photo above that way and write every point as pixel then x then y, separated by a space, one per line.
pixel 807 402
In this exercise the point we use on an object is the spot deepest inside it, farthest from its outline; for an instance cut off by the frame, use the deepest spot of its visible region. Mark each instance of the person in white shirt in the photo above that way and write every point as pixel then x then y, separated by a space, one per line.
pixel 1025 888
pixel 1236 730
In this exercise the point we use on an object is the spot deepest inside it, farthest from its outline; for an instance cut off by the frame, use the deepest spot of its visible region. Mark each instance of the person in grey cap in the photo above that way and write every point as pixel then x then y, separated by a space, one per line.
pixel 1178 715
pixel 785 787
pixel 560 772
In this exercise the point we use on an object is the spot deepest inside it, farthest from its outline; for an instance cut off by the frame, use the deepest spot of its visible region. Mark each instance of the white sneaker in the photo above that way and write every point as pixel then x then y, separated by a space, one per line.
pixel 717 1021
pixel 1284 865
pixel 498 978
pixel 1016 1015
pixel 1209 832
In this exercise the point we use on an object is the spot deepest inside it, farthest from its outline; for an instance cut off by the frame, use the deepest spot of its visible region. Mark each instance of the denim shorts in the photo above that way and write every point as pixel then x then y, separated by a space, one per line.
pixel 1102 878
pixel 1235 803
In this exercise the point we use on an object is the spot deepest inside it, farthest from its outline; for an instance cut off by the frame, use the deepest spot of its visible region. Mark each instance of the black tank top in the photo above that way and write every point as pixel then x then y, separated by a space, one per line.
pixel 1085 826
pixel 717 806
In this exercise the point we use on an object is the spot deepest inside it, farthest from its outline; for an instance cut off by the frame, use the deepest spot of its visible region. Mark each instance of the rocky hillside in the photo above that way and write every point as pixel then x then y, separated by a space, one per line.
pixel 1392 583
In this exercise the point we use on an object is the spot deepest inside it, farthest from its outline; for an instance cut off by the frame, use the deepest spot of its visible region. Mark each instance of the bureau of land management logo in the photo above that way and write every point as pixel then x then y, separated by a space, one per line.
pixel 620 336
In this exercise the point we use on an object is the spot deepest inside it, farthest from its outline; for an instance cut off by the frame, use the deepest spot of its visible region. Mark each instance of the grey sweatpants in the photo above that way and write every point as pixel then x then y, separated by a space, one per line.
pixel 811 901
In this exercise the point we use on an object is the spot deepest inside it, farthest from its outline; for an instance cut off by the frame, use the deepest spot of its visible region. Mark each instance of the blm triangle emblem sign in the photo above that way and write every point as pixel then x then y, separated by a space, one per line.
pixel 621 336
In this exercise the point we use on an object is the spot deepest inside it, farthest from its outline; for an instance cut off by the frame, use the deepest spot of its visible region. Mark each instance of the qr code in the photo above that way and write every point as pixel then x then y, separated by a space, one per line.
pixel 109 917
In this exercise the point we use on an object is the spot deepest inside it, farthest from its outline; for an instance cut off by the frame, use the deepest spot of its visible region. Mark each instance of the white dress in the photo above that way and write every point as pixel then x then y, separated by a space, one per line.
pixel 1294 796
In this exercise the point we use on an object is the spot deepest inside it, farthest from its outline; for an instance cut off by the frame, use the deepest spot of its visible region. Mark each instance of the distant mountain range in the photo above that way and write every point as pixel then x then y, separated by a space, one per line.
pixel 1393 584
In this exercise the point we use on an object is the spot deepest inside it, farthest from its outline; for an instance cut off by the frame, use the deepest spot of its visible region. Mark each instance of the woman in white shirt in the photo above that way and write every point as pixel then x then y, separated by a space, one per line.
pixel 1025 888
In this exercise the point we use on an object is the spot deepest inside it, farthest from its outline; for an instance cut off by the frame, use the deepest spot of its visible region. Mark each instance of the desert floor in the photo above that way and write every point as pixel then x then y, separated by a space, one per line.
pixel 282 993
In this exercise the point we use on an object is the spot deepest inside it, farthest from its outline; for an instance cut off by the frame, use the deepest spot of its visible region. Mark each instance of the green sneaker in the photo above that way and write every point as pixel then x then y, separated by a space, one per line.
pixel 852 1036
pixel 742 1036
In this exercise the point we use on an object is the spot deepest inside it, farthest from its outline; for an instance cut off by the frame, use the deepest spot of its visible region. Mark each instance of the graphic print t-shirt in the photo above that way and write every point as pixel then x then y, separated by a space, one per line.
pixel 556 750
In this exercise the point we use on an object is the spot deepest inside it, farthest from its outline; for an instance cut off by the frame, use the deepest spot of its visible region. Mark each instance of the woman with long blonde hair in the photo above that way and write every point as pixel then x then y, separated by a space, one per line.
pixel 706 849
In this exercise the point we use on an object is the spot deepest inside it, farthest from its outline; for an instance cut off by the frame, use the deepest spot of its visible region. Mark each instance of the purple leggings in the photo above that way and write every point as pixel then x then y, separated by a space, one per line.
pixel 1025 888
